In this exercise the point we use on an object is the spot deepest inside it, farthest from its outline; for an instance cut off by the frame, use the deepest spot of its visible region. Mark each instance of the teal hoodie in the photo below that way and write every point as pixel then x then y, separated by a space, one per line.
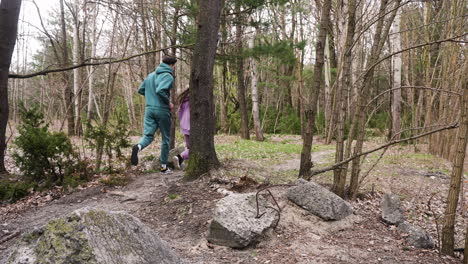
pixel 157 87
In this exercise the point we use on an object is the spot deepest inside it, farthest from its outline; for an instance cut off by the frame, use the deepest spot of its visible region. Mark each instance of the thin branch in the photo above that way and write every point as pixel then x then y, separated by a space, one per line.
pixel 451 39
pixel 415 87
pixel 336 165
pixel 45 72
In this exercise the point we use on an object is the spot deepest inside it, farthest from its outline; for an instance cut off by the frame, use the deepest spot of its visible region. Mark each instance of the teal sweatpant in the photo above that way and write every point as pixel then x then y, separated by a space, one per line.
pixel 155 119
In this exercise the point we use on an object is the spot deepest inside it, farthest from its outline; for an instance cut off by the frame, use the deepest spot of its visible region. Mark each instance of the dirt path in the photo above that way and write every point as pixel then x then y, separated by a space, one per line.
pixel 180 212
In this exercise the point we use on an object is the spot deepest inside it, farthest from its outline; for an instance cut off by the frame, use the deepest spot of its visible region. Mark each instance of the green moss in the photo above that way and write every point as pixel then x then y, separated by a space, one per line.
pixel 173 196
pixel 197 166
pixel 64 242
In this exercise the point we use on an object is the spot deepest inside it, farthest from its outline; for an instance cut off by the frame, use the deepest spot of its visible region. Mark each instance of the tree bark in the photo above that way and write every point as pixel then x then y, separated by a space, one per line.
pixel 448 230
pixel 9 14
pixel 202 119
pixel 465 258
pixel 311 108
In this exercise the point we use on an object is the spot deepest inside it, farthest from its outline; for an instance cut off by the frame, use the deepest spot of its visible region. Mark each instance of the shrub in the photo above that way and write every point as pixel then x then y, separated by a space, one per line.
pixel 43 157
pixel 13 191
pixel 110 138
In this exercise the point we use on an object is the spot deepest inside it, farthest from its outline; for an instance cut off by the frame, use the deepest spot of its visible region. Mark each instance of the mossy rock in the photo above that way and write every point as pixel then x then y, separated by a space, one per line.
pixel 94 237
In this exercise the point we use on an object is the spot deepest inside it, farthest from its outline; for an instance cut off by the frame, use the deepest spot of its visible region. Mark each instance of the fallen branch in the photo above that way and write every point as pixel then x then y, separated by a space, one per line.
pixel 45 72
pixel 9 237
pixel 336 165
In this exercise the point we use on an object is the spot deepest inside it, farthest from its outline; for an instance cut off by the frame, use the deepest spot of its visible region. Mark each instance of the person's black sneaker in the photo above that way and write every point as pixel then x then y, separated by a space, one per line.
pixel 177 160
pixel 165 170
pixel 134 158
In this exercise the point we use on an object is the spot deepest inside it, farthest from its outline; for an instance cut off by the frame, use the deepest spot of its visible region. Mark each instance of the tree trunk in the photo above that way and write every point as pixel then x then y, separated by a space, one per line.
pixel 93 44
pixel 77 71
pixel 465 258
pixel 455 180
pixel 240 77
pixel 395 45
pixel 175 22
pixel 9 14
pixel 311 108
pixel 68 94
pixel 254 82
pixel 339 179
pixel 202 119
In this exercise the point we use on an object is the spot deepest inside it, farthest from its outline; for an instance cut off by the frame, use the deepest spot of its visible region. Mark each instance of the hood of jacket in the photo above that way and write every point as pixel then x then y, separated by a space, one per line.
pixel 164 68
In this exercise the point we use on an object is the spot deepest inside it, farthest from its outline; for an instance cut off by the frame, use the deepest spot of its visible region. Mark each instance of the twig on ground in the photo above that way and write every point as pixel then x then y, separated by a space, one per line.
pixel 9 237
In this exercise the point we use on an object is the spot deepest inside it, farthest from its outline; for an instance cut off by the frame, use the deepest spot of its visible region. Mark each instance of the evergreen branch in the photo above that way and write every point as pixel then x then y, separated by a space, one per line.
pixel 45 72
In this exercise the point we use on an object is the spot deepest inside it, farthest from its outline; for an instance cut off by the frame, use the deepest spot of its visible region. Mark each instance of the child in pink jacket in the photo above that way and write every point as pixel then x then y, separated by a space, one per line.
pixel 184 119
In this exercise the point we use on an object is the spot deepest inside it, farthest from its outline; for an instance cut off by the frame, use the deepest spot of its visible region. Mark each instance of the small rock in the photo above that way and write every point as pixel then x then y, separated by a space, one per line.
pixel 235 223
pixel 392 213
pixel 416 236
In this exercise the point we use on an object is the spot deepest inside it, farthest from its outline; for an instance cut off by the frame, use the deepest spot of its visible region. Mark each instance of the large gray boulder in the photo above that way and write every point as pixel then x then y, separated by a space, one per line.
pixel 416 236
pixel 392 213
pixel 94 237
pixel 319 201
pixel 235 223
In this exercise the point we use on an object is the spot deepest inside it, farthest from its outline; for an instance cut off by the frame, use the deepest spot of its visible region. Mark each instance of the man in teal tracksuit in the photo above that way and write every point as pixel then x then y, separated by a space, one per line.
pixel 157 89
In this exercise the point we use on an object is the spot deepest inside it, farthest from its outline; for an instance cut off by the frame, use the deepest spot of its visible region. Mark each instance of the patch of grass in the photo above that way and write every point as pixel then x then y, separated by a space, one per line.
pixel 256 150
pixel 284 177
pixel 173 196
pixel 418 160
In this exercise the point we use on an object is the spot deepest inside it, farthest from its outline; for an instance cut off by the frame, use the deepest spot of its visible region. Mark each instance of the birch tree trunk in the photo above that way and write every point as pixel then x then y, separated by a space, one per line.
pixel 9 14
pixel 311 107
pixel 395 45
pixel 254 82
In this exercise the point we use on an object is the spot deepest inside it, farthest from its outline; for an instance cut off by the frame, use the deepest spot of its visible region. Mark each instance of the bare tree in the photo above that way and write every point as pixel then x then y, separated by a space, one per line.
pixel 455 180
pixel 68 94
pixel 311 107
pixel 344 82
pixel 395 45
pixel 9 13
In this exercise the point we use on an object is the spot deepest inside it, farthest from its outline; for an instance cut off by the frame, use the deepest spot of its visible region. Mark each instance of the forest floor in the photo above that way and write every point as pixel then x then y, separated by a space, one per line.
pixel 180 211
